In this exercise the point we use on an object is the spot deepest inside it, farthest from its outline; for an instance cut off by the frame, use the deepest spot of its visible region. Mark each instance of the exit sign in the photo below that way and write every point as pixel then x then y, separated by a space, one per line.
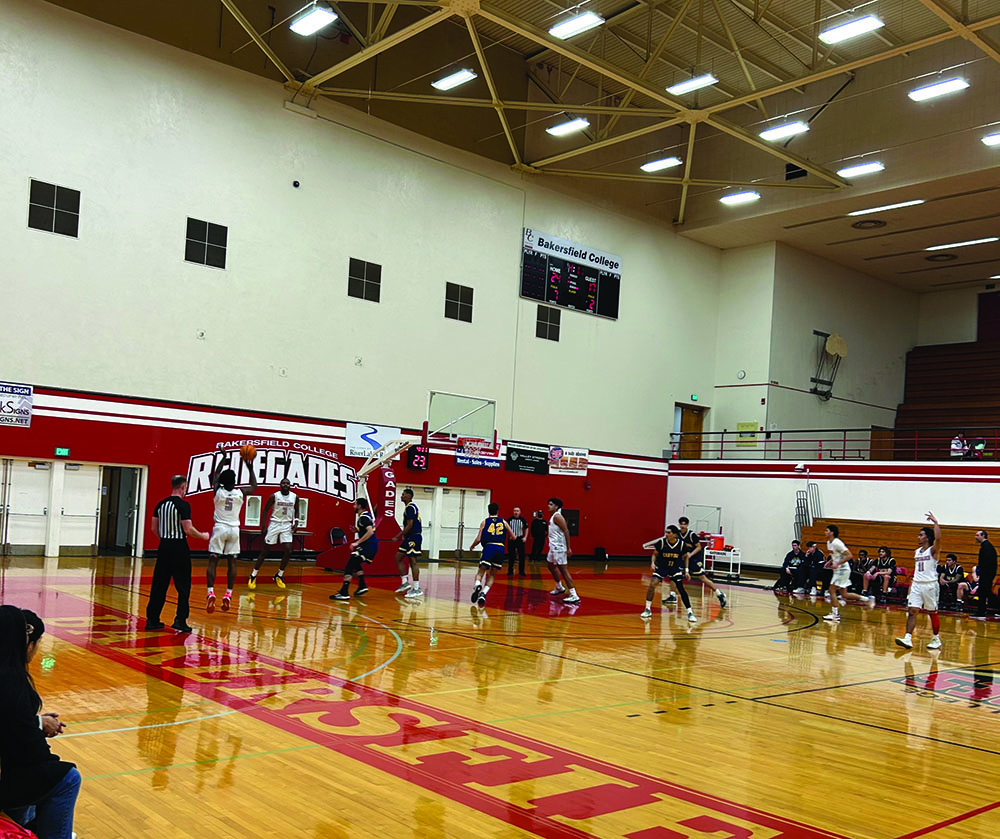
pixel 62 452
pixel 442 480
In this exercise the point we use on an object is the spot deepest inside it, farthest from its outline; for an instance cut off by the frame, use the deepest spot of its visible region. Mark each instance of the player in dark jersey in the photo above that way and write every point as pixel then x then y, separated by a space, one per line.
pixel 409 550
pixel 493 533
pixel 363 550
pixel 696 559
pixel 668 564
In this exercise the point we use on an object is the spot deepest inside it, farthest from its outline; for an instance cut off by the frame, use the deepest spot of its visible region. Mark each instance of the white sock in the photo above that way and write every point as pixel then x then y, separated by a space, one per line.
pixel 485 590
pixel 280 573
pixel 253 574
pixel 404 580
pixel 229 593
pixel 835 610
pixel 649 604
pixel 211 590
pixel 572 592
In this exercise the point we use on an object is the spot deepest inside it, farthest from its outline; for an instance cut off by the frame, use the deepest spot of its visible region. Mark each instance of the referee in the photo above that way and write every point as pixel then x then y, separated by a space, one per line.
pixel 172 523
pixel 518 525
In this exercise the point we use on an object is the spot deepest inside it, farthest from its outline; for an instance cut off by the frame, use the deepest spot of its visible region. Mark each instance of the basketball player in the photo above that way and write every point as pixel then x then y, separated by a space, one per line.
pixel 559 553
pixel 409 550
pixel 493 533
pixel 668 564
pixel 284 509
pixel 924 591
pixel 363 550
pixel 225 539
pixel 840 562
pixel 696 560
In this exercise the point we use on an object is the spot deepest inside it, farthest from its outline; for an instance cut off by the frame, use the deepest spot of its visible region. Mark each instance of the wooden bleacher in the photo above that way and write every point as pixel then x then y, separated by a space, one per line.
pixel 899 537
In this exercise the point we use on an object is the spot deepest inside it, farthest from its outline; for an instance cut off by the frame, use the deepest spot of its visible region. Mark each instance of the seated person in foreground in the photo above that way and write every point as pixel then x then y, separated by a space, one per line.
pixel 816 569
pixel 881 576
pixel 858 568
pixel 792 570
pixel 949 576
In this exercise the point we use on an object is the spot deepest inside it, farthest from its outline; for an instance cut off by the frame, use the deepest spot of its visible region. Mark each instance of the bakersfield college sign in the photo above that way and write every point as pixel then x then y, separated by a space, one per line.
pixel 307 467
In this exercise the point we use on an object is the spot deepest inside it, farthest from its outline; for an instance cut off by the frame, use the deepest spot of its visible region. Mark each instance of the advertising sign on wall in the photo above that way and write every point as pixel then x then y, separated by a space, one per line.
pixel 476 451
pixel 364 439
pixel 527 457
pixel 746 434
pixel 563 461
pixel 15 404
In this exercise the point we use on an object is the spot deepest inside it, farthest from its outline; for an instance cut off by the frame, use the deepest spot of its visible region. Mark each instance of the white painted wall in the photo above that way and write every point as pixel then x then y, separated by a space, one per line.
pixel 948 317
pixel 118 310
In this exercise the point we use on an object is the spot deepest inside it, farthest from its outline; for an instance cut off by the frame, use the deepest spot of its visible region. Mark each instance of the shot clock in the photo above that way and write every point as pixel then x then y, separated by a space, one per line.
pixel 418 457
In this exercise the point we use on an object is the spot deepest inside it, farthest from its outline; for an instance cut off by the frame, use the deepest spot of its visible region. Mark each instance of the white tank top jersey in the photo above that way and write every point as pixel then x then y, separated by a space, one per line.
pixel 227 506
pixel 557 539
pixel 283 511
pixel 836 549
pixel 926 566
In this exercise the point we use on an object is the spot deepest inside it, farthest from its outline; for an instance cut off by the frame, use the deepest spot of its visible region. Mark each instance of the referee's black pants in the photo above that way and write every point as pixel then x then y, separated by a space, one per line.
pixel 986 575
pixel 173 562
pixel 515 547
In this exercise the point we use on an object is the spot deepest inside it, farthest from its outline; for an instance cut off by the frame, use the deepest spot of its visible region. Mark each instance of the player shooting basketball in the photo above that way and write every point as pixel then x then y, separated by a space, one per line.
pixel 225 539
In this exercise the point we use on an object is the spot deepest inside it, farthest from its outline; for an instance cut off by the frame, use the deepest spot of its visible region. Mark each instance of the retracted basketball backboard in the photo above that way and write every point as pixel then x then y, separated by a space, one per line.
pixel 451 416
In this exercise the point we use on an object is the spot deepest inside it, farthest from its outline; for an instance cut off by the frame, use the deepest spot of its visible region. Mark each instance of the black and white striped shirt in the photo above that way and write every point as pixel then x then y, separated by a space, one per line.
pixel 517 526
pixel 169 514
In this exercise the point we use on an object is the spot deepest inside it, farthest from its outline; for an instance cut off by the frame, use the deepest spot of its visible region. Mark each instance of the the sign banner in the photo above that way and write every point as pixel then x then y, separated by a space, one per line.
pixel 16 402
pixel 573 251
pixel 746 434
pixel 527 457
pixel 363 440
pixel 563 461
pixel 476 451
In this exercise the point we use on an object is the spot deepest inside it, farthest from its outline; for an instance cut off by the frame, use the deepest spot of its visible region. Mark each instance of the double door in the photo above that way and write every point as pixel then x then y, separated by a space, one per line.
pixel 450 518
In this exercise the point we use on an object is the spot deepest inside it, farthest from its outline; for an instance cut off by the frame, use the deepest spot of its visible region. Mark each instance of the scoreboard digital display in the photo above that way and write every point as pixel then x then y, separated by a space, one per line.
pixel 583 280
pixel 418 457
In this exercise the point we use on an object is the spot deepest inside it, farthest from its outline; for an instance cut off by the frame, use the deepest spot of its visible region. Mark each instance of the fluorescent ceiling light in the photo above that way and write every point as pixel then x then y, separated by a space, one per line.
pixel 564 128
pixel 312 20
pixel 932 91
pixel 736 198
pixel 887 207
pixel 964 244
pixel 851 29
pixel 663 163
pixel 454 80
pixel 779 132
pixel 575 25
pixel 860 169
pixel 992 140
pixel 691 85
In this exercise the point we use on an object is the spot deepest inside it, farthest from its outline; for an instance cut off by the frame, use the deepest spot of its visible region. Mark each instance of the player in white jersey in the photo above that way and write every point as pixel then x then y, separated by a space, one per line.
pixel 840 562
pixel 225 539
pixel 284 509
pixel 924 590
pixel 559 553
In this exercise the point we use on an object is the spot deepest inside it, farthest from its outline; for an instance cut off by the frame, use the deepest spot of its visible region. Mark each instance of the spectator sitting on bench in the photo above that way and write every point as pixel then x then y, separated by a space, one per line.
pixel 881 576
pixel 791 570
pixel 949 576
pixel 858 569
pixel 968 586
pixel 816 569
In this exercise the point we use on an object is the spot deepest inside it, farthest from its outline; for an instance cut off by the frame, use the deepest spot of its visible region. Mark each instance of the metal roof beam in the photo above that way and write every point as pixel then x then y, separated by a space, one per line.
pixel 241 19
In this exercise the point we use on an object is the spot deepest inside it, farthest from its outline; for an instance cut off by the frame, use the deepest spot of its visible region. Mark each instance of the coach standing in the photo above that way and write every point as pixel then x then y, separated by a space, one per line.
pixel 518 525
pixel 987 571
pixel 172 523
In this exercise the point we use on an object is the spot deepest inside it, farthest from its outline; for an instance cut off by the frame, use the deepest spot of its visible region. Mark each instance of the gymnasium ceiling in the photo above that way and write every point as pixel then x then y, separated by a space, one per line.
pixel 771 68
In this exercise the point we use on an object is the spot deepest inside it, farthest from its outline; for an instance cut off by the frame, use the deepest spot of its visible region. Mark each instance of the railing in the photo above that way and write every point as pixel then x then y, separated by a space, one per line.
pixel 872 443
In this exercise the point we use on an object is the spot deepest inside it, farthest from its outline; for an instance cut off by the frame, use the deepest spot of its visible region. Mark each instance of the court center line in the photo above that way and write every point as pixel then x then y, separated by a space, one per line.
pixel 153 725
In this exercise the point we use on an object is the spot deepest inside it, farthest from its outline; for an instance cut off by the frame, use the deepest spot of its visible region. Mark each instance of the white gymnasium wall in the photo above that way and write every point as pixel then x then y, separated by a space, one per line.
pixel 948 317
pixel 879 322
pixel 152 135
pixel 758 512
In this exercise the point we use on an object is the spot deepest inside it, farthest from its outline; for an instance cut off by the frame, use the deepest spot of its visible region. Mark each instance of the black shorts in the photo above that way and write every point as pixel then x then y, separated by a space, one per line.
pixel 411 545
pixel 696 565
pixel 668 572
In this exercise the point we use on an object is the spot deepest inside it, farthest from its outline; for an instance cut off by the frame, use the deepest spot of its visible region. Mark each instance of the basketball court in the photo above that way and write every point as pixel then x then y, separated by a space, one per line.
pixel 296 716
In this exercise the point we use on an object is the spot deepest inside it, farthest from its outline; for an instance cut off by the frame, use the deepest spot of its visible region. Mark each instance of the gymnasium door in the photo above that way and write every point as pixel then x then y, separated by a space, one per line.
pixel 692 422
pixel 26 497
pixel 80 508
pixel 119 510
pixel 988 321
pixel 450 518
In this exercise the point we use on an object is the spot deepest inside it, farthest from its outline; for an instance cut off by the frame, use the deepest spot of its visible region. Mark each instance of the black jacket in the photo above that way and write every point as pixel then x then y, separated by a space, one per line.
pixel 28 769
pixel 987 556
pixel 539 529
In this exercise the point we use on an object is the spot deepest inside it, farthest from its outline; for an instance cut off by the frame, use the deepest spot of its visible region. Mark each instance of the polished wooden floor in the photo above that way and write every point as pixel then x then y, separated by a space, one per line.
pixel 296 716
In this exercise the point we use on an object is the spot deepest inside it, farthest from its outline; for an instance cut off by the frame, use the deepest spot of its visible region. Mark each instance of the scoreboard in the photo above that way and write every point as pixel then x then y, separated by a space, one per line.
pixel 568 275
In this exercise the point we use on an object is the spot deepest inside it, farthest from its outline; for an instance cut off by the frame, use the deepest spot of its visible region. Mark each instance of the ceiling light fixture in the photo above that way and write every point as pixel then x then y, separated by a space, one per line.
pixel 779 132
pixel 991 140
pixel 575 25
pixel 932 91
pixel 851 29
pixel 691 85
pixel 454 80
pixel 860 169
pixel 964 244
pixel 887 207
pixel 565 128
pixel 662 163
pixel 313 19
pixel 734 199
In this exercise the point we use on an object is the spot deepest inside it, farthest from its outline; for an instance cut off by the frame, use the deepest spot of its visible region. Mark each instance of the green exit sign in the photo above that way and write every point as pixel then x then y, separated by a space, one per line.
pixel 442 480
pixel 61 452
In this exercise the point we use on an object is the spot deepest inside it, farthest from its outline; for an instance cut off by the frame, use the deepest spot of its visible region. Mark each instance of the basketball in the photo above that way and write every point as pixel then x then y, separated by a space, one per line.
pixel 248 453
